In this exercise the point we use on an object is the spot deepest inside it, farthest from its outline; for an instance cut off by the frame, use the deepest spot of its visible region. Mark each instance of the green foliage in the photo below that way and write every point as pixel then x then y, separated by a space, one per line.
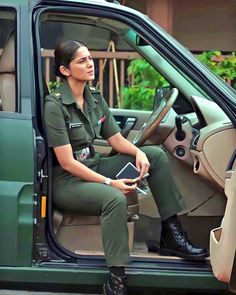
pixel 140 93
pixel 138 98
pixel 144 79
pixel 223 66
pixel 53 85
pixel 145 75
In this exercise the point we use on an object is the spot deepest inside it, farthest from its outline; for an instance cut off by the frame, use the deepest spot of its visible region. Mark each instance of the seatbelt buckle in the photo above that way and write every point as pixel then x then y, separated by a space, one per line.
pixel 84 153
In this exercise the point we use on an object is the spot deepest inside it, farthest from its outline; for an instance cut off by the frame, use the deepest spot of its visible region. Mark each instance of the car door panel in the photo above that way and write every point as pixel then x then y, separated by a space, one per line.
pixel 16 189
pixel 233 276
pixel 223 238
pixel 130 122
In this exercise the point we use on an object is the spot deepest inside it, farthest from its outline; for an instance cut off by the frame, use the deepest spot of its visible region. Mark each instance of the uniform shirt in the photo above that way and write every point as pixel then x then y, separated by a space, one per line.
pixel 67 124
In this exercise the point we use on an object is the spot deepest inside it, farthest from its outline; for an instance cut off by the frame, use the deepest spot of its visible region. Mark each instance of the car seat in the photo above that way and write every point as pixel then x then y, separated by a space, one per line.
pixel 7 76
pixel 80 233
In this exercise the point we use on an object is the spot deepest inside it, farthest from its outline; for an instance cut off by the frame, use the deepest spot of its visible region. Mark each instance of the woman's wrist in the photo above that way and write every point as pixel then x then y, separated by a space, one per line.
pixel 112 182
pixel 138 151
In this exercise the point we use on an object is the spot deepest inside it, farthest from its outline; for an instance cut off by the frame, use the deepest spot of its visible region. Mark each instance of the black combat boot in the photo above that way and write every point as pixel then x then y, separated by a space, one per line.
pixel 174 242
pixel 116 285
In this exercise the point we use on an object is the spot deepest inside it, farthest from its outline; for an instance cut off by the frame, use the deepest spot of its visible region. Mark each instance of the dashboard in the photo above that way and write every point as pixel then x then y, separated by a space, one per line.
pixel 209 141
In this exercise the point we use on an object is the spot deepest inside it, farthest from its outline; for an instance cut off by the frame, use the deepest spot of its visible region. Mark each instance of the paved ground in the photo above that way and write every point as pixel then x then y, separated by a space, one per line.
pixel 15 292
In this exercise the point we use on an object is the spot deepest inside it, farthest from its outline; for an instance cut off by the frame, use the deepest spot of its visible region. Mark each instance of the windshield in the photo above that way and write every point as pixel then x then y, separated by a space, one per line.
pixel 221 83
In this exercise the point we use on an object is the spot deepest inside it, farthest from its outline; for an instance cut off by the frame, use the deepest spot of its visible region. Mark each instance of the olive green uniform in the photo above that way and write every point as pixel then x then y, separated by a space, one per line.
pixel 67 124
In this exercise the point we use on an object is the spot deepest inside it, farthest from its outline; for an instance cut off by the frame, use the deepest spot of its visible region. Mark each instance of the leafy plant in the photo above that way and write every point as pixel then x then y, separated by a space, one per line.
pixel 53 85
pixel 143 79
pixel 223 66
pixel 143 82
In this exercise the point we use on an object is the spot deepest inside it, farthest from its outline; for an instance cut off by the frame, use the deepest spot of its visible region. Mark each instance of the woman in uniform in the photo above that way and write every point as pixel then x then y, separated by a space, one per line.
pixel 84 182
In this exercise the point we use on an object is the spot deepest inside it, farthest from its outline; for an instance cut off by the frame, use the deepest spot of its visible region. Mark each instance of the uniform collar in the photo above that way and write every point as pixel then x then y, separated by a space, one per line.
pixel 68 98
pixel 89 98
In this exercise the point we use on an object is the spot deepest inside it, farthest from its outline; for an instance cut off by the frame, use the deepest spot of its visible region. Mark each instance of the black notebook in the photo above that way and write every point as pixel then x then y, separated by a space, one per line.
pixel 129 172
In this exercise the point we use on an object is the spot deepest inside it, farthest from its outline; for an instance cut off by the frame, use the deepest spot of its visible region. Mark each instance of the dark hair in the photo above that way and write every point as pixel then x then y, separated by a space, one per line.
pixel 65 53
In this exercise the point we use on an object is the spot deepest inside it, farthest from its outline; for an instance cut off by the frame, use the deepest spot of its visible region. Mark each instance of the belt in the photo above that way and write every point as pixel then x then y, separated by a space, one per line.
pixel 85 153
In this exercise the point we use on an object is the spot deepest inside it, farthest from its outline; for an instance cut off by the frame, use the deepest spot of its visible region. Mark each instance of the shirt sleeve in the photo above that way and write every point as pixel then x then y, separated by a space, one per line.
pixel 56 130
pixel 109 126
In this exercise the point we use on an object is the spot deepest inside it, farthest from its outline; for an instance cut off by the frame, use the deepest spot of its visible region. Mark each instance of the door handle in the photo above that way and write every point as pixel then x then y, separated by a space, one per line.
pixel 129 124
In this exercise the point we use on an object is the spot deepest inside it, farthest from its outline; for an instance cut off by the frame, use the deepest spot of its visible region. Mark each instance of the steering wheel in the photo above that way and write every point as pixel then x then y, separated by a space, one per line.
pixel 156 117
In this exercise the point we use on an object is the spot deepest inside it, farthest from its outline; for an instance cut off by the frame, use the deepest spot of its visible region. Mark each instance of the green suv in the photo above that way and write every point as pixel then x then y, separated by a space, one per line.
pixel 41 245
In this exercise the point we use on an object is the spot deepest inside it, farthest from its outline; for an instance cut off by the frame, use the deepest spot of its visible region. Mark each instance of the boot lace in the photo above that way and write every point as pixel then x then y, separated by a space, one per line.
pixel 180 232
pixel 117 284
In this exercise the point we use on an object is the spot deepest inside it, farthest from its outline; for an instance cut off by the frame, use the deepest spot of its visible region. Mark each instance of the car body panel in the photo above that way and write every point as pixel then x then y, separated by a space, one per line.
pixel 94 277
pixel 16 187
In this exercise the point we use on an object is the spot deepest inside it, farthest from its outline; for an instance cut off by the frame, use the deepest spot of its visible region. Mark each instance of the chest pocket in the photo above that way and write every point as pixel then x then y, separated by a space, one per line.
pixel 77 132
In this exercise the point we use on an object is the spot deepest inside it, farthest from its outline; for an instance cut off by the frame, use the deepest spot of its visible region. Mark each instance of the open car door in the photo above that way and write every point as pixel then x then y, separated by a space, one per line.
pixel 223 238
pixel 233 277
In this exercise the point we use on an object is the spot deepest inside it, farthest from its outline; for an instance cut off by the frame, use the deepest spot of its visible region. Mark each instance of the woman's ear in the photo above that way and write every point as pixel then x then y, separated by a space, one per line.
pixel 65 71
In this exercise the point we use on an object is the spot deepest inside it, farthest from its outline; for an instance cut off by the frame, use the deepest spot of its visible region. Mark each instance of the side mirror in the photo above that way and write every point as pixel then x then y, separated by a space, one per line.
pixel 159 95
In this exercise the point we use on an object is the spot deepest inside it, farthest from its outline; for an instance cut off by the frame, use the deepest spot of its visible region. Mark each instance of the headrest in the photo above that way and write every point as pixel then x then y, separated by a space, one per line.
pixel 7 60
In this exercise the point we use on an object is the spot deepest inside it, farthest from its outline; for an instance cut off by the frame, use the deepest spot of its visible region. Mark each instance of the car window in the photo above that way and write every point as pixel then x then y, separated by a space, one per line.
pixel 7 60
pixel 124 77
pixel 130 71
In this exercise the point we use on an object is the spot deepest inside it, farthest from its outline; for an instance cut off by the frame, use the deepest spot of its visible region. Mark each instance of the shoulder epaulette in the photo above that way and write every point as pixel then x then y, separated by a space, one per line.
pixel 53 96
pixel 57 94
pixel 94 90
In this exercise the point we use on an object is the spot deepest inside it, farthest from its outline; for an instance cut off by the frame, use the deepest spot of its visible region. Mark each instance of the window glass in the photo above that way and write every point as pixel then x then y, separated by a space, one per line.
pixel 125 79
pixel 7 60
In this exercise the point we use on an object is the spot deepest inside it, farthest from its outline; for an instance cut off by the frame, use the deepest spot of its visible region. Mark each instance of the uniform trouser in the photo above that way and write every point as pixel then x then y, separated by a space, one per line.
pixel 74 195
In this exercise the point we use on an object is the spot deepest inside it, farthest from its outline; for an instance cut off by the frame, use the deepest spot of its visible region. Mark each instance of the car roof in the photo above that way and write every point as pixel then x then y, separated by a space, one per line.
pixel 33 3
pixel 103 3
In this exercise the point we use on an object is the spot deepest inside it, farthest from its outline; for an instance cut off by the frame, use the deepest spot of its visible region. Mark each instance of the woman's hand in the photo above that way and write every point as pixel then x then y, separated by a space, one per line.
pixel 125 185
pixel 142 163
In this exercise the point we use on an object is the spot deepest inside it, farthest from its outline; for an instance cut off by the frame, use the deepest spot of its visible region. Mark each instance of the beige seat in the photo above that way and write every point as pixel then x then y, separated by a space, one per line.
pixel 80 233
pixel 7 76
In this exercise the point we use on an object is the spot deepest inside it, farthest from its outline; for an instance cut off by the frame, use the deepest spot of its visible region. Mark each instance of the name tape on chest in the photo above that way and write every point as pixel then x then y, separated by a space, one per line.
pixel 75 125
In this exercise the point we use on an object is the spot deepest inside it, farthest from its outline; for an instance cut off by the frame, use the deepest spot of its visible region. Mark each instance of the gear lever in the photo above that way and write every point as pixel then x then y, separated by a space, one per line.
pixel 180 134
